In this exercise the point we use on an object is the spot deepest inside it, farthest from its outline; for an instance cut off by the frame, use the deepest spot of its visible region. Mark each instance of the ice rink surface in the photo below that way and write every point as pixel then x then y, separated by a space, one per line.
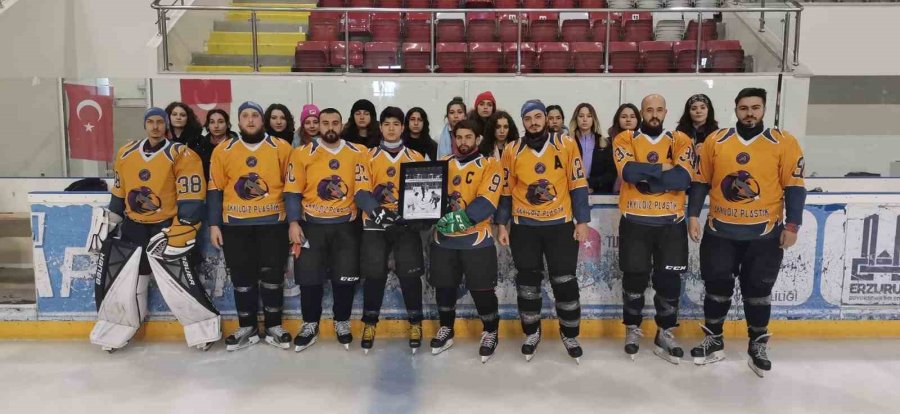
pixel 832 376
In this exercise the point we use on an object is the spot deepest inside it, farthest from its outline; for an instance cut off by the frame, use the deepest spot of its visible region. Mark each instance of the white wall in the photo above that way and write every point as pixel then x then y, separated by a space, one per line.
pixel 850 39
pixel 33 39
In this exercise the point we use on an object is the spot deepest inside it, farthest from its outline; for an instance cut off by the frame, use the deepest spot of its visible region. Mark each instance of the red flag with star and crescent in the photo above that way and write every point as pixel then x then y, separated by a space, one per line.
pixel 90 122
pixel 204 95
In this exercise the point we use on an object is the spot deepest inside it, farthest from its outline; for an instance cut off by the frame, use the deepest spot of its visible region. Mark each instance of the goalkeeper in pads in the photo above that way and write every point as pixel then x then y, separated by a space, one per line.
pixel 149 228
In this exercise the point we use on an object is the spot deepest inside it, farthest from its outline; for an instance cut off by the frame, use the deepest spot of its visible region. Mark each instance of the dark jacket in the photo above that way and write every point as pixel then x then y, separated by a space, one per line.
pixel 424 145
pixel 602 175
pixel 204 148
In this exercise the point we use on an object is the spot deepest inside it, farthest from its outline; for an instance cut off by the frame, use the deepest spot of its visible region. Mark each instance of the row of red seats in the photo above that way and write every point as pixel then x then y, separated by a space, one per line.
pixel 469 4
pixel 489 27
pixel 546 57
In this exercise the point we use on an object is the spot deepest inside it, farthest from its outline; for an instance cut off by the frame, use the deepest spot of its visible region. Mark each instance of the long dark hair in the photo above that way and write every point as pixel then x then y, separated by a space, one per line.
pixel 614 128
pixel 288 134
pixel 192 129
pixel 686 124
pixel 423 144
pixel 351 130
pixel 489 137
pixel 224 115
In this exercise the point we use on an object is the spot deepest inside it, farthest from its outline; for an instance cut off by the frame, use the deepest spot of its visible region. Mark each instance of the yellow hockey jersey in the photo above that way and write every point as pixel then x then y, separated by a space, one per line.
pixel 539 182
pixel 747 178
pixel 153 185
pixel 651 203
pixel 251 179
pixel 384 177
pixel 474 186
pixel 326 181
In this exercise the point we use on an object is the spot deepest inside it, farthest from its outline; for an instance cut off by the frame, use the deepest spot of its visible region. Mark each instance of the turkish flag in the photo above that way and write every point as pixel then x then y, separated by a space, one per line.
pixel 90 123
pixel 204 95
pixel 590 249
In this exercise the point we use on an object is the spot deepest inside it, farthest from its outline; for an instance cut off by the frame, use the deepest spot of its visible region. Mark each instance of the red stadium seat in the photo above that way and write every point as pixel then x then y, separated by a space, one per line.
pixel 446 4
pixel 657 57
pixel 339 54
pixel 450 30
pixel 418 27
pixel 576 30
pixel 686 55
pixel 418 4
pixel 510 57
pixel 416 57
pixel 506 4
pixel 478 4
pixel 562 4
pixel 725 56
pixel 359 23
pixel 709 30
pixel 331 3
pixel 361 3
pixel 324 26
pixel 637 30
pixel 592 4
pixel 311 56
pixel 624 57
pixel 508 27
pixel 486 57
pixel 451 57
pixel 543 27
pixel 386 27
pixel 481 26
pixel 381 57
pixel 588 57
pixel 554 57
pixel 389 4
pixel 598 26
pixel 534 4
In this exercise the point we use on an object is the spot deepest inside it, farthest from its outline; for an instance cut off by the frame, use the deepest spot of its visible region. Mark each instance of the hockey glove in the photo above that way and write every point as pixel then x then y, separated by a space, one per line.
pixel 103 224
pixel 454 222
pixel 384 217
pixel 173 242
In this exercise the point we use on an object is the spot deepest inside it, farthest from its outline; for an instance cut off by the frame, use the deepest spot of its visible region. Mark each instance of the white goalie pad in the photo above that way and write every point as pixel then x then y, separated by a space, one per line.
pixel 119 313
pixel 188 301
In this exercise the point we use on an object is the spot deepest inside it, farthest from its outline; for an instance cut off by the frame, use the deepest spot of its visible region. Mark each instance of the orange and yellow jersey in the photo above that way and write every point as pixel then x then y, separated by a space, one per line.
pixel 474 184
pixel 322 183
pixel 544 187
pixel 158 186
pixel 749 181
pixel 247 181
pixel 648 195
pixel 383 186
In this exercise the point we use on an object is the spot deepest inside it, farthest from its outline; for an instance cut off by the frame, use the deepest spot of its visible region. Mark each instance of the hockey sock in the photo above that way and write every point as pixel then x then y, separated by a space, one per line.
pixel 446 301
pixel 373 296
pixel 568 306
pixel 633 286
pixel 412 297
pixel 343 300
pixel 528 299
pixel 757 305
pixel 246 300
pixel 272 291
pixel 487 306
pixel 311 302
pixel 668 292
pixel 717 302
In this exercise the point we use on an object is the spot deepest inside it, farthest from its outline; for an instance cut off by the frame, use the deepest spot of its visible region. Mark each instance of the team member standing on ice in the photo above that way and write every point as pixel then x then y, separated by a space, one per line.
pixel 546 188
pixel 754 178
pixel 655 166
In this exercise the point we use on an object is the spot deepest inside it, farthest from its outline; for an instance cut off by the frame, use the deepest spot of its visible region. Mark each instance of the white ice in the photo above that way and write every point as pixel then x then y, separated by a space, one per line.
pixel 847 376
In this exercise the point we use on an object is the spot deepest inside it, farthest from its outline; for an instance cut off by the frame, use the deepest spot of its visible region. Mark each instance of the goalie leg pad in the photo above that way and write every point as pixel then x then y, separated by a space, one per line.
pixel 115 290
pixel 187 299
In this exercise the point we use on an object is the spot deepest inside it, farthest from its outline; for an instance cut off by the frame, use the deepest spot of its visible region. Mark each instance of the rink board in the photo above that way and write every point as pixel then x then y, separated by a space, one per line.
pixel 846 265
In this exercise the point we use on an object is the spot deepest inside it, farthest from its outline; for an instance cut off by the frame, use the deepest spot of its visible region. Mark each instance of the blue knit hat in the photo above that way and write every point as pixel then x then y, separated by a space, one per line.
pixel 533 104
pixel 154 111
pixel 250 105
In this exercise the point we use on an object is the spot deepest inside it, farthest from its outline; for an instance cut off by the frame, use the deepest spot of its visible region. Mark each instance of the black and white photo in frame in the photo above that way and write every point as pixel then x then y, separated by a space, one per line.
pixel 423 190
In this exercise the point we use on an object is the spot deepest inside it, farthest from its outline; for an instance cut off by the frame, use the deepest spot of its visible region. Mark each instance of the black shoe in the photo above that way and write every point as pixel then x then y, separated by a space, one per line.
pixel 489 342
pixel 442 341
pixel 711 350
pixel 759 359
pixel 307 336
pixel 529 347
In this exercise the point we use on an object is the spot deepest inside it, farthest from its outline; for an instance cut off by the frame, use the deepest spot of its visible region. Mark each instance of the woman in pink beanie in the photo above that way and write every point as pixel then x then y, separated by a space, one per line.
pixel 309 125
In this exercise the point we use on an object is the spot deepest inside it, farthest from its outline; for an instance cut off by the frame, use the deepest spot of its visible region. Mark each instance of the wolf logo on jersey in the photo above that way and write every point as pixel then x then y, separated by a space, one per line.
pixel 540 192
pixel 143 201
pixel 385 193
pixel 456 201
pixel 251 187
pixel 740 187
pixel 332 188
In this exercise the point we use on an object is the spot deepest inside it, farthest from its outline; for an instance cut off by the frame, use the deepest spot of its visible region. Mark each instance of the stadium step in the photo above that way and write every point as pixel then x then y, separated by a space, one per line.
pixel 246 48
pixel 263 27
pixel 270 16
pixel 238 69
pixel 208 59
pixel 262 38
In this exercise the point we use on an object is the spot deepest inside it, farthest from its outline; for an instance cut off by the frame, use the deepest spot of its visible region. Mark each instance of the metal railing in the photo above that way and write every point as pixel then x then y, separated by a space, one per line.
pixel 791 7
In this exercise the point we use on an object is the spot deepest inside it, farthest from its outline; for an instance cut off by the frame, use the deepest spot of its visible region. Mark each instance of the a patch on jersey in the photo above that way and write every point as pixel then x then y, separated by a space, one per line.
pixel 384 193
pixel 391 171
pixel 652 157
pixel 742 158
pixel 251 161
pixel 457 180
pixel 334 164
pixel 143 201
pixel 456 201
pixel 540 192
pixel 144 175
pixel 332 188
pixel 740 187
pixel 540 168
pixel 251 187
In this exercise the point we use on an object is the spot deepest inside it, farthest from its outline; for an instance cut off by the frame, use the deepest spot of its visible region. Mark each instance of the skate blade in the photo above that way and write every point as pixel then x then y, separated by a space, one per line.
pixel 529 357
pixel 346 347
pixel 271 341
pixel 674 360
pixel 709 359
pixel 484 359
pixel 633 357
pixel 300 348
pixel 252 341
pixel 578 361
pixel 109 350
pixel 756 370
pixel 366 351
pixel 414 350
pixel 435 351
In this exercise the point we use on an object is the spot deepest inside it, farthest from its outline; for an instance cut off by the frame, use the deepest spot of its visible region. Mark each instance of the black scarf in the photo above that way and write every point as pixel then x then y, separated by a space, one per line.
pixel 536 141
pixel 651 131
pixel 748 133
pixel 255 138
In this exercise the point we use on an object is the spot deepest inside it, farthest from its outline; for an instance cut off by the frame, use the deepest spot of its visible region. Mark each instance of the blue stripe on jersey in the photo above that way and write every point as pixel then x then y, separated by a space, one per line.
pixel 463 242
pixel 742 231
pixel 190 211
pixel 794 201
pixel 134 147
pixel 117 205
pixel 697 198
pixel 731 131
pixel 328 220
pixel 480 209
pixel 654 221
pixel 214 207
pixel 581 209
pixel 366 202
pixel 293 206
pixel 525 221
pixel 271 219
pixel 504 210
pixel 768 134
pixel 635 172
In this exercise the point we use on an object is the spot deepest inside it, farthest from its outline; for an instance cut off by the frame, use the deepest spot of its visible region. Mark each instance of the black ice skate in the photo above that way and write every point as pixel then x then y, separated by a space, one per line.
pixel 368 337
pixel 489 342
pixel 415 336
pixel 667 347
pixel 342 331
pixel 529 347
pixel 633 335
pixel 242 338
pixel 759 359
pixel 442 341
pixel 309 332
pixel 711 350
pixel 278 337
pixel 572 347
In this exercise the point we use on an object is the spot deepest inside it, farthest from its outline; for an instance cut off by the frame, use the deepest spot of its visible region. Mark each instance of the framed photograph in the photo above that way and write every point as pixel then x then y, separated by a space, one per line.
pixel 423 190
